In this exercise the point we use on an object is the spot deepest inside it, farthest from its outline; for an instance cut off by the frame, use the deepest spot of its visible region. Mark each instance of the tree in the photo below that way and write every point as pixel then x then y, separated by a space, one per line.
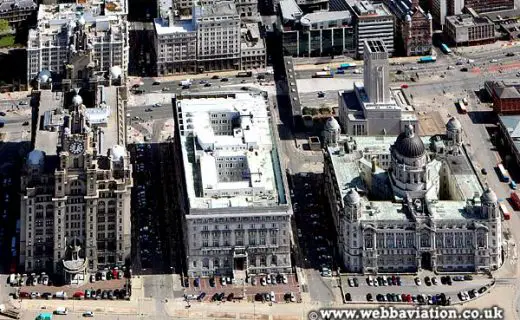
pixel 4 26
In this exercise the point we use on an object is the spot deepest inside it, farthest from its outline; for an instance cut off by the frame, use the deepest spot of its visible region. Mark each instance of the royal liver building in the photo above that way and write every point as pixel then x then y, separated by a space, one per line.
pixel 408 202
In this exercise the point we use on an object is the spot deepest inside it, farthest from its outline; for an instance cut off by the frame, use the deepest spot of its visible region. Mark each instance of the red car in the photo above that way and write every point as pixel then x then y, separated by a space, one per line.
pixel 79 295
pixel 404 86
pixel 24 295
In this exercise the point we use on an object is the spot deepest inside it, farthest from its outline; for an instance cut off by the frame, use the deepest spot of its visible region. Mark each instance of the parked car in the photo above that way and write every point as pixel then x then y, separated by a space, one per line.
pixel 417 281
pixel 348 297
pixel 369 297
pixel 88 314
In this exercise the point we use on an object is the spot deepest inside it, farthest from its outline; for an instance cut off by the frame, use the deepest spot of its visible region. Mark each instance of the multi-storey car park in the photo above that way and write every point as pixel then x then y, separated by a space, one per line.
pixel 232 187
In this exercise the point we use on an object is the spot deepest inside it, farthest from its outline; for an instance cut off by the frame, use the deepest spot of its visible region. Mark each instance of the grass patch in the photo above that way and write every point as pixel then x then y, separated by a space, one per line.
pixel 6 41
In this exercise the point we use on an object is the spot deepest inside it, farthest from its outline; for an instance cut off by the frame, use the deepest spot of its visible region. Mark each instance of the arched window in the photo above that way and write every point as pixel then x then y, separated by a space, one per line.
pixel 205 263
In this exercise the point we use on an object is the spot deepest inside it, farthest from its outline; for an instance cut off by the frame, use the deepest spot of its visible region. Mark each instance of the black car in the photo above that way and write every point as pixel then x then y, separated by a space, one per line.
pixel 207 84
pixel 230 296
pixel 156 83
pixel 464 69
pixel 380 298
pixel 468 277
pixel 201 296
pixel 482 290
pixel 348 297
pixel 427 281
pixel 212 282
pixel 3 114
pixel 224 80
pixel 258 297
pixel 369 297
pixel 510 54
pixel 398 280
pixel 215 297
pixel 47 295
pixel 356 282
pixel 215 77
pixel 104 295
pixel 483 170
pixel 25 123
pixel 221 297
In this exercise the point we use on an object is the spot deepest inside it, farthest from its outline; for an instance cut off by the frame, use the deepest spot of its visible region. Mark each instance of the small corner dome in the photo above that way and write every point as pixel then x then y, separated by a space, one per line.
pixel 453 124
pixel 81 21
pixel 35 157
pixel 429 16
pixel 77 100
pixel 408 18
pixel 489 196
pixel 352 197
pixel 332 124
pixel 115 72
pixel 118 152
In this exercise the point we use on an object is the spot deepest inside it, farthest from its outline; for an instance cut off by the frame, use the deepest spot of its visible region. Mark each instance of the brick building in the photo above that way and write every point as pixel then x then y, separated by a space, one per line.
pixel 413 27
pixel 489 5
pixel 505 95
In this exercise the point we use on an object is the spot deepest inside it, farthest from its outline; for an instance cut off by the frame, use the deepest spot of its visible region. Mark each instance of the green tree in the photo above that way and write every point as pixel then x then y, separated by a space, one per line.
pixel 4 26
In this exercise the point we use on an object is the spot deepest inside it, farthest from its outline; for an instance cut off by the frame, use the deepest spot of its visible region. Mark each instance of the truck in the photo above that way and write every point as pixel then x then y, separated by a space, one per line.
pixel 427 59
pixel 11 313
pixel 186 83
pixel 323 74
pixel 244 74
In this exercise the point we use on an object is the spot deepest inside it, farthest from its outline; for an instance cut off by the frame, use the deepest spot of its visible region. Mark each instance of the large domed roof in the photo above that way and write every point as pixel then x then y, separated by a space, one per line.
pixel 352 197
pixel 489 196
pixel 453 124
pixel 409 144
pixel 332 124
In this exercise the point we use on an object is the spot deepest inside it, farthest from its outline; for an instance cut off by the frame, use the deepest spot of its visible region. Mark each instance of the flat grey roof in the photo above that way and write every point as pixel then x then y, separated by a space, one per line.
pixel 290 10
pixel 325 16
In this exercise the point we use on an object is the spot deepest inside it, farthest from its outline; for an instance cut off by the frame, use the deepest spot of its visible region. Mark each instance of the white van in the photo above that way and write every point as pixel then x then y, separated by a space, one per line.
pixel 61 311
pixel 273 296
pixel 61 295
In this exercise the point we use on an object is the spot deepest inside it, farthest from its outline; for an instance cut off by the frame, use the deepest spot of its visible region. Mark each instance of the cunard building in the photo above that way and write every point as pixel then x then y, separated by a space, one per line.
pixel 75 204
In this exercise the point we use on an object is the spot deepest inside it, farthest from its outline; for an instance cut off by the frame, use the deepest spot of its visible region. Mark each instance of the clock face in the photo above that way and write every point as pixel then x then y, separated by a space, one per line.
pixel 76 147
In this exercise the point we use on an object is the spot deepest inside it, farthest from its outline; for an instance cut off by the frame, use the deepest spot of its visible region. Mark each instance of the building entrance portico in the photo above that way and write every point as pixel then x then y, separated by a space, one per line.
pixel 239 263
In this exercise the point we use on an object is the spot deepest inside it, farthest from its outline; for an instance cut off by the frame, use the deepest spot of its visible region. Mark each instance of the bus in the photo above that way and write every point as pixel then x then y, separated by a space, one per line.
pixel 323 74
pixel 445 48
pixel 427 59
pixel 244 74
pixel 462 107
pixel 515 199
pixel 504 210
pixel 344 66
pixel 504 175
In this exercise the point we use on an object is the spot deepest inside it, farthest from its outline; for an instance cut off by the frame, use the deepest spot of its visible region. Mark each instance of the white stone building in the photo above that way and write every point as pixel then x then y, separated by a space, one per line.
pixel 233 195
pixel 89 35
pixel 436 215
pixel 76 185
pixel 218 36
